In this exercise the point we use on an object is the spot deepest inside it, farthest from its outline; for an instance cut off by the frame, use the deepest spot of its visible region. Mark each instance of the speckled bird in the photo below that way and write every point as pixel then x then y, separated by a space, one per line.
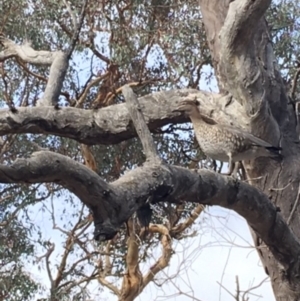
pixel 223 142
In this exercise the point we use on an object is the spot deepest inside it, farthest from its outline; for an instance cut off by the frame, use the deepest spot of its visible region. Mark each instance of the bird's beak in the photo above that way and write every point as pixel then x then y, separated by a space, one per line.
pixel 177 111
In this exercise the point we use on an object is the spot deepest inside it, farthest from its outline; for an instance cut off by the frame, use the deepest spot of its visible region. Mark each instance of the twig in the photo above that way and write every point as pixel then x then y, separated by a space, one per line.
pixel 283 188
pixel 254 287
pixel 237 288
pixel 47 256
pixel 223 273
pixel 294 207
pixel 140 124
pixel 189 221
pixel 77 28
pixel 84 94
pixel 226 289
pixel 294 84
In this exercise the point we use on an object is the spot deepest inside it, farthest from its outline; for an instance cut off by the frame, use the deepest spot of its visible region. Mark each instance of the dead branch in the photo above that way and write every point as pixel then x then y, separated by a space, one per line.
pixel 164 259
pixel 58 61
pixel 140 125
pixel 188 222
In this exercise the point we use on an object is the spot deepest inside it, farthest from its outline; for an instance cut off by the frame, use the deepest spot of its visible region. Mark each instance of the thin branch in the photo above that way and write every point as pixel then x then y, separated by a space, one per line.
pixel 221 285
pixel 132 280
pixel 85 92
pixel 294 207
pixel 188 222
pixel 72 15
pixel 223 272
pixel 254 287
pixel 47 257
pixel 164 259
pixel 294 84
pixel 77 26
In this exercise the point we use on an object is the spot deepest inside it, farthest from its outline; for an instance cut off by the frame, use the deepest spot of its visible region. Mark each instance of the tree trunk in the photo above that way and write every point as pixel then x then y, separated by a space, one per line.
pixel 245 66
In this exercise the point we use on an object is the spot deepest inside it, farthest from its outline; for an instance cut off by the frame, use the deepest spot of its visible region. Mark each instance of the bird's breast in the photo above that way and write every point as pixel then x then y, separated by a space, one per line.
pixel 218 144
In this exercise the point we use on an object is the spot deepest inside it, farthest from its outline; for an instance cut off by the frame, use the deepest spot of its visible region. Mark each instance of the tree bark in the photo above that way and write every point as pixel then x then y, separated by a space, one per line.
pixel 244 61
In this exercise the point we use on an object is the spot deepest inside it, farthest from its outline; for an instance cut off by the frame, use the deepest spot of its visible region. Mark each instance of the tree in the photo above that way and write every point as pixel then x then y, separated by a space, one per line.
pixel 252 95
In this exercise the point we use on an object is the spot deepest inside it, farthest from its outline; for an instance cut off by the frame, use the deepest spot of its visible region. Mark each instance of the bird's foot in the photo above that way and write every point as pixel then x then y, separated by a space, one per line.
pixel 233 170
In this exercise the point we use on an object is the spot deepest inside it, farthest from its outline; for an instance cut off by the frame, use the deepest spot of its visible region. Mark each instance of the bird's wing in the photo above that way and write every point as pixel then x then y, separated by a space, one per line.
pixel 208 120
pixel 246 136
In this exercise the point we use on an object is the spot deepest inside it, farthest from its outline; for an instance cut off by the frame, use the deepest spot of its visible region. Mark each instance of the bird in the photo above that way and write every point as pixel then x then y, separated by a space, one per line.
pixel 223 142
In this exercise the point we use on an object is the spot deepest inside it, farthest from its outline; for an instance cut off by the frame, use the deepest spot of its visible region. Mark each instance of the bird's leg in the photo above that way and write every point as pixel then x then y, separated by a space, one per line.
pixel 237 166
pixel 213 165
pixel 231 166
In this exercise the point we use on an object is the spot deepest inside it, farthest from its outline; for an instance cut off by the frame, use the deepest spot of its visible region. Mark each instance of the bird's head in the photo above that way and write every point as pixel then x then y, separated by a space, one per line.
pixel 189 107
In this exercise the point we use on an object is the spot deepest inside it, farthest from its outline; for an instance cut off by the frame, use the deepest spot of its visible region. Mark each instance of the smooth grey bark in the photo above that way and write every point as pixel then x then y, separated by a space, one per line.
pixel 57 60
pixel 246 68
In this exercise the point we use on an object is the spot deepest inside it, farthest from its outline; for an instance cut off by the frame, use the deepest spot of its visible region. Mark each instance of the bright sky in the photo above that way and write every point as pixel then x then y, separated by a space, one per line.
pixel 222 250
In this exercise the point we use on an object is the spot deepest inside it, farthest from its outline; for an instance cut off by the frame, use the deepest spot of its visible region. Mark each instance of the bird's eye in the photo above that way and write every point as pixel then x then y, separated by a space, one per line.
pixel 197 102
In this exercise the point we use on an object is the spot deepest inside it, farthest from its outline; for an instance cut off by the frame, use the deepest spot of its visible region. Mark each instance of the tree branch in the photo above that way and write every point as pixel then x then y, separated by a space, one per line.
pixel 113 124
pixel 114 203
pixel 241 23
pixel 164 259
pixel 246 64
pixel 57 59
pixel 77 25
pixel 140 125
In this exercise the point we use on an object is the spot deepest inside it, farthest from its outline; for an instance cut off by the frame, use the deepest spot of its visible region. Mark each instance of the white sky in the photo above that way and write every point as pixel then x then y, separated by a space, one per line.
pixel 222 250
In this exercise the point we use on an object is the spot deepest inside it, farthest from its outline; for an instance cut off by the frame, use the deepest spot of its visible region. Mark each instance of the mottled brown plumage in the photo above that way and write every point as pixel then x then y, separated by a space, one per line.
pixel 223 142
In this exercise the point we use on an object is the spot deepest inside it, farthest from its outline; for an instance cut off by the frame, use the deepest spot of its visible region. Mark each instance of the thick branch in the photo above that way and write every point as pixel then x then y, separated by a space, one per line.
pixel 139 122
pixel 246 65
pixel 114 203
pixel 57 59
pixel 243 75
pixel 113 124
pixel 241 23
